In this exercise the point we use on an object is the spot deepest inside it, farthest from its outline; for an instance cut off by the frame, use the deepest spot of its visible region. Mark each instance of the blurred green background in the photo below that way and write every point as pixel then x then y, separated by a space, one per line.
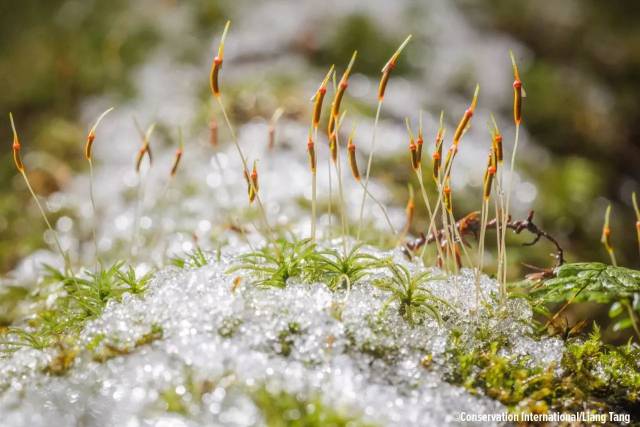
pixel 53 55
pixel 582 79
pixel 582 105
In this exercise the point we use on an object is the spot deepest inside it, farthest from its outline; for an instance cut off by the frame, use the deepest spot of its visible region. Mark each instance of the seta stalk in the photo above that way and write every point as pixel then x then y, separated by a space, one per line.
pixel 382 87
pixel 144 151
pixel 634 200
pixel 443 182
pixel 518 94
pixel 271 133
pixel 497 148
pixel 317 100
pixel 487 184
pixel 415 153
pixel 333 135
pixel 214 83
pixel 606 237
pixel 17 158
pixel 177 158
pixel 410 211
pixel 88 154
pixel 343 210
pixel 353 164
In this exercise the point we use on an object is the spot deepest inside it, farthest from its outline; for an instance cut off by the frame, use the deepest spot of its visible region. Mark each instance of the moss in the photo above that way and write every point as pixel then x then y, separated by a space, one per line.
pixel 415 301
pixel 186 398
pixel 286 339
pixel 378 346
pixel 95 342
pixel 273 265
pixel 109 350
pixel 194 259
pixel 229 326
pixel 594 376
pixel 155 333
pixel 426 361
pixel 507 379
pixel 10 299
pixel 173 401
pixel 281 409
pixel 339 270
pixel 379 350
pixel 78 299
pixel 336 309
pixel 63 361
pixel 608 372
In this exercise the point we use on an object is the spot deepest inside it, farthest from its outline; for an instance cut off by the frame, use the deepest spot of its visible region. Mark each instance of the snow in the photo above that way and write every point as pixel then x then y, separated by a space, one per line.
pixel 231 337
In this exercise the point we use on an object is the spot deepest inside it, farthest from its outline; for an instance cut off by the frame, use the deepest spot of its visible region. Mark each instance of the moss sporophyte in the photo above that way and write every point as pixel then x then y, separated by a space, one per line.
pixel 305 304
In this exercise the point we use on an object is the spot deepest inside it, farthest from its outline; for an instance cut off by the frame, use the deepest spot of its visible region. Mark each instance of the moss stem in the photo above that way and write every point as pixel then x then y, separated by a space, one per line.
pixel 65 255
pixel 245 167
pixel 369 163
pixel 505 216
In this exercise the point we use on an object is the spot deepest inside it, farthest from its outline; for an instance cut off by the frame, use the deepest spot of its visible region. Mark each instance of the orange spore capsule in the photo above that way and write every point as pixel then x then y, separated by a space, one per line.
pixel 488 182
pixel 335 110
pixel 16 146
pixel 311 150
pixel 176 161
pixel 254 177
pixel 317 106
pixel 466 118
pixel 252 182
pixel 518 91
pixel 410 212
pixel 318 99
pixel 606 231
pixel 91 136
pixel 139 158
pixel 16 157
pixel 447 198
pixel 436 164
pixel 333 146
pixel 215 75
pixel 517 101
pixel 384 81
pixel 216 65
pixel 353 163
pixel 499 152
pixel 388 68
pixel 87 148
pixel 413 150
pixel 342 87
pixel 419 143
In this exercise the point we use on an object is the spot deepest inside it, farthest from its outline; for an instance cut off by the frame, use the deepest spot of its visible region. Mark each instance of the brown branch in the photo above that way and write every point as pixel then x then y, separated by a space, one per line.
pixel 470 225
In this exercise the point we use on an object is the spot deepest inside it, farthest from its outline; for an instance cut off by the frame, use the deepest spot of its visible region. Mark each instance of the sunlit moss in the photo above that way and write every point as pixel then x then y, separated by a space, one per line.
pixel 77 299
pixel 591 376
pixel 281 409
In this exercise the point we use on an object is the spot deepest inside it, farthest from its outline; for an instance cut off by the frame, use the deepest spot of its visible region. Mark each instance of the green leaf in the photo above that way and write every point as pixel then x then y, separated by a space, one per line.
pixel 593 282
